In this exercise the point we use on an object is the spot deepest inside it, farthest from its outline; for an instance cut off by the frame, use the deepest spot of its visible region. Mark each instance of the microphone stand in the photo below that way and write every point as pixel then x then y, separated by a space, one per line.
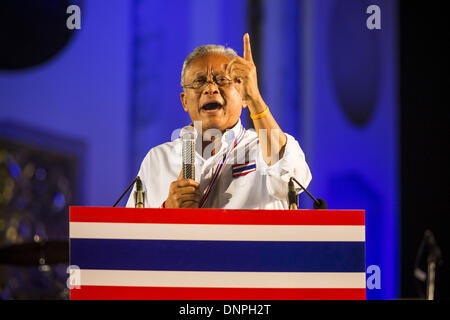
pixel 434 259
pixel 431 279
pixel 126 191
pixel 318 203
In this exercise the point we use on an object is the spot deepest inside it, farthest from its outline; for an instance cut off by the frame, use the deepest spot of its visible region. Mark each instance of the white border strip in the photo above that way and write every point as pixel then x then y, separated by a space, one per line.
pixel 150 231
pixel 201 279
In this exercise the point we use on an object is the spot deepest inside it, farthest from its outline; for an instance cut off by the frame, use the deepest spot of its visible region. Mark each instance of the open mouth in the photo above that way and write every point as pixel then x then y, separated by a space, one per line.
pixel 212 106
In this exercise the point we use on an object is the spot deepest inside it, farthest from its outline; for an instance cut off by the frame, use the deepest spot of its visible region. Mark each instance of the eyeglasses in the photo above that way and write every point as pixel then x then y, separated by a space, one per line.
pixel 201 82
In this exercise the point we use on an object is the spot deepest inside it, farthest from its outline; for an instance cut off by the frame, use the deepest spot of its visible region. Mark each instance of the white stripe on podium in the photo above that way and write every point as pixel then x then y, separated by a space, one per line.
pixel 202 279
pixel 147 231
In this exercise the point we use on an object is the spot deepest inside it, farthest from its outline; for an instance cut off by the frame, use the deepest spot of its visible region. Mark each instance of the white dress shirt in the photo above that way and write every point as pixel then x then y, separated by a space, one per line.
pixel 245 181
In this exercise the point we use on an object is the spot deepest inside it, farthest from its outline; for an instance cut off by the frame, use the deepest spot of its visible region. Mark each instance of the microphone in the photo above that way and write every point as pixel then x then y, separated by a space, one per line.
pixel 138 187
pixel 139 194
pixel 292 196
pixel 434 260
pixel 188 153
pixel 318 203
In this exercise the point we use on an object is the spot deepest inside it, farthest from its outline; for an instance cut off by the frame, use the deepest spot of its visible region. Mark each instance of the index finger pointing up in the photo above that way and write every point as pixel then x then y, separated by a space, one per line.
pixel 247 48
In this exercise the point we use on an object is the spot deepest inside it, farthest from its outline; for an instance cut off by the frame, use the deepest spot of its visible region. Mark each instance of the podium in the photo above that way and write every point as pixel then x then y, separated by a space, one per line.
pixel 216 254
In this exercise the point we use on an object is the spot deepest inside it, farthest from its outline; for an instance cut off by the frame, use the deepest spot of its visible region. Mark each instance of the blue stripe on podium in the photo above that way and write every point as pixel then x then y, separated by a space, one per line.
pixel 182 255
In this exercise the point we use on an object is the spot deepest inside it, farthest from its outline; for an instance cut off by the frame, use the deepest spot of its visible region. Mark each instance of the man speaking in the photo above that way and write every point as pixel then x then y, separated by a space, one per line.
pixel 233 168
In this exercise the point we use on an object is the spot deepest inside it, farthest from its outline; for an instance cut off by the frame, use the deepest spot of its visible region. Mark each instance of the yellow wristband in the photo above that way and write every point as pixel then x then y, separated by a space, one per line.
pixel 259 115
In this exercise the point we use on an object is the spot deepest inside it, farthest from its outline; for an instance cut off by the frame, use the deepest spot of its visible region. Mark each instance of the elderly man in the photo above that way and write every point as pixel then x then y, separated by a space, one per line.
pixel 235 168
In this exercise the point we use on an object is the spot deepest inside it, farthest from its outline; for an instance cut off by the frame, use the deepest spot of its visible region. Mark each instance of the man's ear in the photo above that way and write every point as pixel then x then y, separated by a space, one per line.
pixel 241 93
pixel 183 101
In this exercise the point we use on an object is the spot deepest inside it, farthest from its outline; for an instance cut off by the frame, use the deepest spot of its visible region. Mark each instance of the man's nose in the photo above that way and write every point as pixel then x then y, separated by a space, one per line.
pixel 211 88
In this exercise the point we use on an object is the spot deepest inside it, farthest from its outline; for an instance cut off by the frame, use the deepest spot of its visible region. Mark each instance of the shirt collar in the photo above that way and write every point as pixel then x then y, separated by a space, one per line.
pixel 230 134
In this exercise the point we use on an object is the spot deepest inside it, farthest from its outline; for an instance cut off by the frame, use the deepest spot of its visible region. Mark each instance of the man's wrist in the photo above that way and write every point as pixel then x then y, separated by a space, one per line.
pixel 259 115
pixel 256 106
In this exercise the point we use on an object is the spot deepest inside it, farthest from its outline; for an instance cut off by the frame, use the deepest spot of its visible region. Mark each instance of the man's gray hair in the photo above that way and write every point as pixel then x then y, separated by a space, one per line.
pixel 210 48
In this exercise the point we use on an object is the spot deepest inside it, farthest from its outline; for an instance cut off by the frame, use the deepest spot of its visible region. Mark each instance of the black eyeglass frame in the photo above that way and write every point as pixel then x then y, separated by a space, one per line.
pixel 206 82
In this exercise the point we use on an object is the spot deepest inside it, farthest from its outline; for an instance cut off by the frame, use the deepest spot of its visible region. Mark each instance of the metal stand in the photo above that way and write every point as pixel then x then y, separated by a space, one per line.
pixel 431 280
pixel 434 260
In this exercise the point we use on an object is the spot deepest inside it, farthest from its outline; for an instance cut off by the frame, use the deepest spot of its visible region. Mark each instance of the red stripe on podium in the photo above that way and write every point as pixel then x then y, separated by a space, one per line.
pixel 177 293
pixel 217 216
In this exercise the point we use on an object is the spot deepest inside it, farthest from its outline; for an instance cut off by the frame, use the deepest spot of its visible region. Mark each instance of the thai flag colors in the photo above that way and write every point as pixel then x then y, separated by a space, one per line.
pixel 184 254
pixel 243 169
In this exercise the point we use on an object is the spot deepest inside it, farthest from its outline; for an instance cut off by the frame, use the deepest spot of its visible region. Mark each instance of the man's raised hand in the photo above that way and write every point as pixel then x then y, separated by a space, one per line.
pixel 243 71
pixel 247 48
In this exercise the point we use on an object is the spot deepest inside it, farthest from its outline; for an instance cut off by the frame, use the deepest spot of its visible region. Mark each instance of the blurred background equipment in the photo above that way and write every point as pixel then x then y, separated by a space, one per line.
pixel 429 258
pixel 38 182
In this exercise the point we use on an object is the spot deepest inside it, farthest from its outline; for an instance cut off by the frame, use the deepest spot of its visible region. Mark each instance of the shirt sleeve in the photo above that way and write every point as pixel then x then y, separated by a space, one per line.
pixel 292 164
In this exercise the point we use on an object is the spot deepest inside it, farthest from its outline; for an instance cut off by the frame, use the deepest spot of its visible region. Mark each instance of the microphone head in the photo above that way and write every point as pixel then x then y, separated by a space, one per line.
pixel 435 253
pixel 320 204
pixel 139 194
pixel 292 196
pixel 188 152
pixel 291 185
pixel 139 184
pixel 188 133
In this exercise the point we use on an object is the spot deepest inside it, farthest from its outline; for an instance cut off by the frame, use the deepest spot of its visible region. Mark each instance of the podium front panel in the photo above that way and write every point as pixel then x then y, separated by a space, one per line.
pixel 215 254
